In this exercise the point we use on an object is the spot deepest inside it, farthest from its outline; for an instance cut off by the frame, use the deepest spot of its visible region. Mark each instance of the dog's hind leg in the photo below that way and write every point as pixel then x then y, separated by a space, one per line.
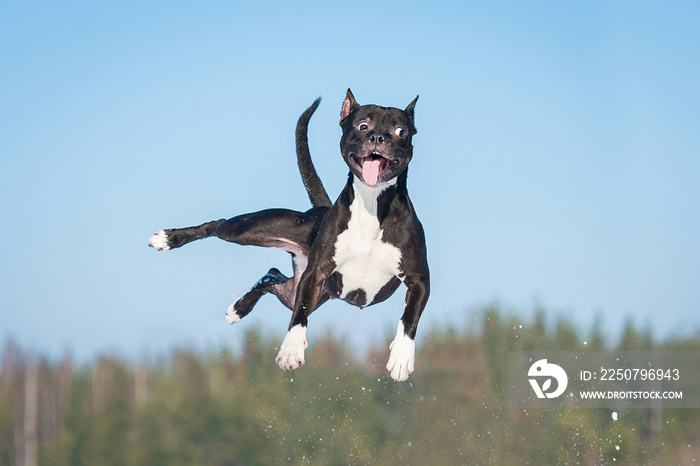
pixel 176 237
pixel 273 282
pixel 288 230
pixel 285 288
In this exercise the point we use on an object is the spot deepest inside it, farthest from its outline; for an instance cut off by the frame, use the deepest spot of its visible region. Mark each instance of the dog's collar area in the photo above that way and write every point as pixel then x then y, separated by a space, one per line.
pixel 371 191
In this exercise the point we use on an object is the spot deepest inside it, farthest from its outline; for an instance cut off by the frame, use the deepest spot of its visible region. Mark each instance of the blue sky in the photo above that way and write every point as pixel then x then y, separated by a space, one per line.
pixel 557 160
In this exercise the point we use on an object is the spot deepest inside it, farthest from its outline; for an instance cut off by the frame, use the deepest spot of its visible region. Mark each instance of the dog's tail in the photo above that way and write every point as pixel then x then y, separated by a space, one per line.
pixel 312 182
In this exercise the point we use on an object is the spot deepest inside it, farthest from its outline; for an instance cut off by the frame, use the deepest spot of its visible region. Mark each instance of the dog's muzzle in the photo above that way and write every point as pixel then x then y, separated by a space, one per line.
pixel 374 167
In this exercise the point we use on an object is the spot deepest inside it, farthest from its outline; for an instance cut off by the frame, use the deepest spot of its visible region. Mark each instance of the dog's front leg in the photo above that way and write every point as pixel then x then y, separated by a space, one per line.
pixel 403 348
pixel 310 295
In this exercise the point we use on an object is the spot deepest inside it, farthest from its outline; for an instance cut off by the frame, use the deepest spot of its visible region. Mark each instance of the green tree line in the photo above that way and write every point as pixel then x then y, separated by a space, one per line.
pixel 229 408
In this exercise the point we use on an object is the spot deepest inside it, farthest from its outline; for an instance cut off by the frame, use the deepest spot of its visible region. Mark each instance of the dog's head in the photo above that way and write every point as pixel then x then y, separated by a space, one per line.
pixel 376 142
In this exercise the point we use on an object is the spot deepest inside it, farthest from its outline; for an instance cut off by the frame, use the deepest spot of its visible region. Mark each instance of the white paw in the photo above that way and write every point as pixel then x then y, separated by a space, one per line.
pixel 232 316
pixel 159 241
pixel 402 356
pixel 291 355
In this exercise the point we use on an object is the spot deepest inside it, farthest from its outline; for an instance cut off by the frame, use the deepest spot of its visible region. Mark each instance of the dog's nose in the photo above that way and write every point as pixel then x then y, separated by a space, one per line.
pixel 376 138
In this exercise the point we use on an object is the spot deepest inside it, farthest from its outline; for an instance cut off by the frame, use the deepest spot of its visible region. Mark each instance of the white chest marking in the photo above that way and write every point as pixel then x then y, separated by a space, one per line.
pixel 363 259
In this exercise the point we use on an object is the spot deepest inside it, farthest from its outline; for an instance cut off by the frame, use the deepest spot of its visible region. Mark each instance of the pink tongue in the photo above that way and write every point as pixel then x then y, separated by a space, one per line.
pixel 370 171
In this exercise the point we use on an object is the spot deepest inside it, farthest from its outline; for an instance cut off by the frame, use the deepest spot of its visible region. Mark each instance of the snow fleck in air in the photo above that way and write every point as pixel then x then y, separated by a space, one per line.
pixel 617 447
pixel 585 343
pixel 614 416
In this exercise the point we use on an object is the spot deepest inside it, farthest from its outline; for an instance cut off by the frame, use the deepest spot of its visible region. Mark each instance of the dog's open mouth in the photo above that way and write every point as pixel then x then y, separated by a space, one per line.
pixel 374 167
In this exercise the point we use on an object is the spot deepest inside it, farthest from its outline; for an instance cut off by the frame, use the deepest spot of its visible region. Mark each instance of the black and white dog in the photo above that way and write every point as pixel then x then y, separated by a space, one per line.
pixel 359 249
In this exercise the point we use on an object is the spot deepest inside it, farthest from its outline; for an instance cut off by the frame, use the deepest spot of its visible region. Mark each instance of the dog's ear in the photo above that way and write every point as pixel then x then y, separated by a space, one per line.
pixel 349 105
pixel 410 112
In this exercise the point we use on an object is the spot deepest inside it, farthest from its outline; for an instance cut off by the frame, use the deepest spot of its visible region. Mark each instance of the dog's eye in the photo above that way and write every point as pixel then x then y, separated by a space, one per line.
pixel 363 126
pixel 400 132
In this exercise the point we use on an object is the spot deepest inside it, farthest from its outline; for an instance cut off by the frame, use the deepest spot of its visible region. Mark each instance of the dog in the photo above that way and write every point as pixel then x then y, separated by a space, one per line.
pixel 358 249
